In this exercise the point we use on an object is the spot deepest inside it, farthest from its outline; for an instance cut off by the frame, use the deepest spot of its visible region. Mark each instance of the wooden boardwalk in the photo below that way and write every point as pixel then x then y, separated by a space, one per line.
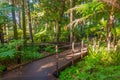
pixel 43 69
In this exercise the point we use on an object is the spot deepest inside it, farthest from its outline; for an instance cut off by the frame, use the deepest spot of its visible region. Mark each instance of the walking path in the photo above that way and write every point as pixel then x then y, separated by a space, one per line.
pixel 42 69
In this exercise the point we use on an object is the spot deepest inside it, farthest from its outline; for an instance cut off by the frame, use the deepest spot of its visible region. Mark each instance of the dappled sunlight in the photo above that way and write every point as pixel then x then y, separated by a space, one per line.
pixel 45 66
pixel 47 36
pixel 77 54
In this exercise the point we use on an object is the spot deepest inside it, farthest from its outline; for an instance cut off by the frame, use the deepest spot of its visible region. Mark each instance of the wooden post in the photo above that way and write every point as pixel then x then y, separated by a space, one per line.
pixel 57 70
pixel 81 45
pixel 81 49
pixel 72 53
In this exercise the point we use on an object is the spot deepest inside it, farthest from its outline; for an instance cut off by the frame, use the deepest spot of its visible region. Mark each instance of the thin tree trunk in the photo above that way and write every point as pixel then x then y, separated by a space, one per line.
pixel 57 32
pixel 14 20
pixel 109 25
pixel 1 36
pixel 71 20
pixel 19 15
pixel 23 21
pixel 109 31
pixel 114 34
pixel 7 31
pixel 29 21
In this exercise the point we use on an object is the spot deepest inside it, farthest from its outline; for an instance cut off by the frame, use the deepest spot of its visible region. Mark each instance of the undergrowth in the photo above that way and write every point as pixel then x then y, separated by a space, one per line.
pixel 9 54
pixel 51 49
pixel 98 65
pixel 30 53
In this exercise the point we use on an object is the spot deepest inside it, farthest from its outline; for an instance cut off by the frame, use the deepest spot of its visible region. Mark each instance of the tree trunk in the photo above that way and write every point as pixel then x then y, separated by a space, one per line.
pixel 19 15
pixel 58 22
pixel 1 36
pixel 114 34
pixel 57 32
pixel 7 31
pixel 71 20
pixel 29 21
pixel 23 22
pixel 109 32
pixel 109 25
pixel 14 20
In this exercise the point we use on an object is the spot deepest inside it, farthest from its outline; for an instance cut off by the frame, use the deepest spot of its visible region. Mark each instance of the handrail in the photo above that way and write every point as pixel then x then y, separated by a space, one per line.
pixel 72 52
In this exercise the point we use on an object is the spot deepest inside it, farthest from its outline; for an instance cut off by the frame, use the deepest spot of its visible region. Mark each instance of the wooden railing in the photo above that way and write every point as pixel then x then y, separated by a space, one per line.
pixel 82 48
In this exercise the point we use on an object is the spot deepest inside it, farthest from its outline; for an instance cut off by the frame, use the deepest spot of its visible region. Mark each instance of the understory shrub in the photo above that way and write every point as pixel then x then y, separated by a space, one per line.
pixel 2 68
pixel 8 51
pixel 30 53
pixel 100 64
pixel 51 49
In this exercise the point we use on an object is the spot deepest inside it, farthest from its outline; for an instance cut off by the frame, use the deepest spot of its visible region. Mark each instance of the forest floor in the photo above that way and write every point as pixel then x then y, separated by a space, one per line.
pixel 42 69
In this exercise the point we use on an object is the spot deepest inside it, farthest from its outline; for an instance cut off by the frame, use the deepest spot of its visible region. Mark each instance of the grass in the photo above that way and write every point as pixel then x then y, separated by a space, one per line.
pixel 98 65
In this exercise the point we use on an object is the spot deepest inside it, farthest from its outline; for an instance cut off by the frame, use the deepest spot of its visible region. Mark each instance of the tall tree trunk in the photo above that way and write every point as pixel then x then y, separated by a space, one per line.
pixel 71 20
pixel 57 32
pixel 29 21
pixel 19 15
pixel 109 25
pixel 23 21
pixel 58 22
pixel 1 35
pixel 115 33
pixel 14 20
pixel 7 31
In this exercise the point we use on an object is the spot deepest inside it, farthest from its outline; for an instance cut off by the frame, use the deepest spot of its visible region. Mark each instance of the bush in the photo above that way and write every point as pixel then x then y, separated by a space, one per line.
pixel 98 65
pixel 30 53
pixel 8 51
pixel 2 68
pixel 51 49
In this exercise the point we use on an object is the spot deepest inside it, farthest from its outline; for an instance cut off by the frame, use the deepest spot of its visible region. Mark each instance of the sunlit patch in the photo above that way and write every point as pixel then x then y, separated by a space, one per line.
pixel 46 66
pixel 76 54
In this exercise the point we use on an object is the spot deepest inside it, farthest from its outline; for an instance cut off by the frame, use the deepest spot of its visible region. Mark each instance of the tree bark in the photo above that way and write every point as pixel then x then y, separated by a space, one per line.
pixel 71 20
pixel 115 33
pixel 109 25
pixel 14 20
pixel 19 15
pixel 29 21
pixel 109 31
pixel 23 22
pixel 1 36
pixel 57 32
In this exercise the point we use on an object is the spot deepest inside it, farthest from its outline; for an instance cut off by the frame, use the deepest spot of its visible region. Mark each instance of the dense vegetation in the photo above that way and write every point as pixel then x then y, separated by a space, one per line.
pixel 99 64
pixel 25 24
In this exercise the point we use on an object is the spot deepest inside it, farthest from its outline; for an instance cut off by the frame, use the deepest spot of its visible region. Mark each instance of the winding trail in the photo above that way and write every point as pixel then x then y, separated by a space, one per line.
pixel 42 69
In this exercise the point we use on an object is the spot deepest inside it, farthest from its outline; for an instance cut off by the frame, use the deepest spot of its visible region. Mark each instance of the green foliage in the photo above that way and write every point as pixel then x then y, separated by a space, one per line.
pixel 31 56
pixel 9 51
pixel 2 68
pixel 44 35
pixel 98 65
pixel 51 49
pixel 7 54
pixel 30 53
pixel 64 35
